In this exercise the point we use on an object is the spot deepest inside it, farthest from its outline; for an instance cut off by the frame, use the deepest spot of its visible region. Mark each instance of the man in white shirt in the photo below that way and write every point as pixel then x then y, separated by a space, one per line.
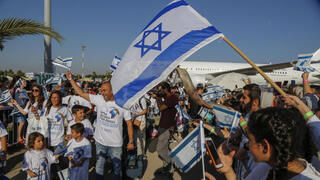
pixel 108 131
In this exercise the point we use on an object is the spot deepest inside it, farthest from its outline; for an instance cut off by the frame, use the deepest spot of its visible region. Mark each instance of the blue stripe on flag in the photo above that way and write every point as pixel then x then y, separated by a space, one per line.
pixel 160 63
pixel 224 110
pixel 165 10
pixel 117 57
pixel 195 158
pixel 67 60
pixel 113 67
pixel 304 57
pixel 196 133
pixel 223 124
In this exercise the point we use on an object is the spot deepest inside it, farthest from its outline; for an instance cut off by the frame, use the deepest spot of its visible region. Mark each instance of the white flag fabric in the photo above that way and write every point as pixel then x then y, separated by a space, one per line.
pixel 115 63
pixel 182 114
pixel 57 79
pixel 303 64
pixel 64 63
pixel 203 147
pixel 226 117
pixel 18 83
pixel 188 152
pixel 172 35
pixel 5 96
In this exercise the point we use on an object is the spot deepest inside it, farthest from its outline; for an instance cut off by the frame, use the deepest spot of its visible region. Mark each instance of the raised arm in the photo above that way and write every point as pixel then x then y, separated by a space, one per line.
pixel 14 102
pixel 76 88
pixel 306 85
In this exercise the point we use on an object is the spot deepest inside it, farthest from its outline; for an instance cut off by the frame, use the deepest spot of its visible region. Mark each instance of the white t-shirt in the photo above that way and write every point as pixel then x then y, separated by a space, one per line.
pixel 88 129
pixel 79 150
pixel 41 111
pixel 3 132
pixel 65 99
pixel 139 107
pixel 108 130
pixel 39 162
pixel 56 118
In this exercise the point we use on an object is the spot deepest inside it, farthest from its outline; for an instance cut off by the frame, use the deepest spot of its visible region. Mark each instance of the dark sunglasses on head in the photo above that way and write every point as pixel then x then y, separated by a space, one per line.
pixel 35 90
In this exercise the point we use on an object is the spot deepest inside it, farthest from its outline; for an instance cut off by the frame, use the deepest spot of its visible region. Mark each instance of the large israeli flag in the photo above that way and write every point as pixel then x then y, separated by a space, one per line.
pixel 64 63
pixel 188 152
pixel 115 63
pixel 169 38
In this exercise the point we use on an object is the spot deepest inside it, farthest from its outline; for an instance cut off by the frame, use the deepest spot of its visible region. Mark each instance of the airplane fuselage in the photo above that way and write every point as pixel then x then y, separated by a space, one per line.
pixel 199 72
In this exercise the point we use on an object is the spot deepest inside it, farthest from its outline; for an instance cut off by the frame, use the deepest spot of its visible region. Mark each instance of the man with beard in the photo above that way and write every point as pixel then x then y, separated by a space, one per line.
pixel 166 102
pixel 250 101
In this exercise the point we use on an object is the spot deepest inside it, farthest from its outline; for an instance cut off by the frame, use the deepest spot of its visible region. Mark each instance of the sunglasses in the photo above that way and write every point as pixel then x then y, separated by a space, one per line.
pixel 35 90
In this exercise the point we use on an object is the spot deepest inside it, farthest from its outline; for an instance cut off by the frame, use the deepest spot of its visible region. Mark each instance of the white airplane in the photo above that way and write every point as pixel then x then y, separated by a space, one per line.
pixel 202 72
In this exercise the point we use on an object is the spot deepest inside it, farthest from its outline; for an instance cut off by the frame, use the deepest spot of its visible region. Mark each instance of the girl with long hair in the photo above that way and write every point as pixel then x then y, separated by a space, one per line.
pixel 35 107
pixel 38 158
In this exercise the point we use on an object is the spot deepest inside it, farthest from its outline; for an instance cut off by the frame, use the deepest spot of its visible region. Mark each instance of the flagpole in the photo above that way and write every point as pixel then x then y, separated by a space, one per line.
pixel 254 66
pixel 202 148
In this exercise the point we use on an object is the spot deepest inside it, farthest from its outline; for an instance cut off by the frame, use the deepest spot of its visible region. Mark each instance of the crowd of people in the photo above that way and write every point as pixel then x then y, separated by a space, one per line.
pixel 73 124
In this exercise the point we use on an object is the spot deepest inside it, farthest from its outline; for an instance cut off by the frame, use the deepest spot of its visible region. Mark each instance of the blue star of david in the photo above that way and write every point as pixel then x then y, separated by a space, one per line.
pixel 157 44
pixel 194 145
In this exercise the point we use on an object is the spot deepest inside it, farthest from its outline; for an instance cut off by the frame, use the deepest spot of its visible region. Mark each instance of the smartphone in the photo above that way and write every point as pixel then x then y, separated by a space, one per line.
pixel 213 153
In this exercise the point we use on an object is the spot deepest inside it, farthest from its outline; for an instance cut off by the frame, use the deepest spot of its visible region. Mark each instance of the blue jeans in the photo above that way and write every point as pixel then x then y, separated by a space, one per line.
pixel 19 117
pixel 115 154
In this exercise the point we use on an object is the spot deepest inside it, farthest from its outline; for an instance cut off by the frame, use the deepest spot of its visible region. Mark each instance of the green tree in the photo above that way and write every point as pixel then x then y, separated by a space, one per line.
pixel 10 73
pixel 20 73
pixel 14 27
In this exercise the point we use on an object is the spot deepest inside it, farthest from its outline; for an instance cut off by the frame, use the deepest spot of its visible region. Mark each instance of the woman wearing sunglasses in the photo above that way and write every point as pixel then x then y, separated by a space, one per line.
pixel 36 104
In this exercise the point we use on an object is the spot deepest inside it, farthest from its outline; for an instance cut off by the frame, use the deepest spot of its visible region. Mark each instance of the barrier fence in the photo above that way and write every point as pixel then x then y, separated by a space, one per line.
pixel 10 125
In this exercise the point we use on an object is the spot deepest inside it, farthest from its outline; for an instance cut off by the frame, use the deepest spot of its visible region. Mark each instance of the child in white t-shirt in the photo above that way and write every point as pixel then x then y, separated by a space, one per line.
pixel 38 158
pixel 78 114
pixel 78 153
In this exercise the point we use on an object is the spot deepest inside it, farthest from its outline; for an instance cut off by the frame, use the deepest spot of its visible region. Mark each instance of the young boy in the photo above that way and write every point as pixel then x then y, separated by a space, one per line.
pixel 78 153
pixel 78 114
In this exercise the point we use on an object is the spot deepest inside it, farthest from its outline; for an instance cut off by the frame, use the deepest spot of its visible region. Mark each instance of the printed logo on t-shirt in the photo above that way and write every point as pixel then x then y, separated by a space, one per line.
pixel 114 112
pixel 78 154
pixel 59 116
pixel 76 102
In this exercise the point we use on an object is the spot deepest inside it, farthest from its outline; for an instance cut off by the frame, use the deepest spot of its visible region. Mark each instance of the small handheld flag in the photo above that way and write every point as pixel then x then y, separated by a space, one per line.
pixel 5 96
pixel 64 63
pixel 188 152
pixel 226 117
pixel 115 63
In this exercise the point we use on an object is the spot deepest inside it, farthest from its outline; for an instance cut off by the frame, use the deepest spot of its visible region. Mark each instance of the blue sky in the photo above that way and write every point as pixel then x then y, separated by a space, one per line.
pixel 266 31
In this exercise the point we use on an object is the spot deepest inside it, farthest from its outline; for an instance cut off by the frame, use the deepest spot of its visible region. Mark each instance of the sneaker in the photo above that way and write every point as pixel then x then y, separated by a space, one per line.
pixel 163 170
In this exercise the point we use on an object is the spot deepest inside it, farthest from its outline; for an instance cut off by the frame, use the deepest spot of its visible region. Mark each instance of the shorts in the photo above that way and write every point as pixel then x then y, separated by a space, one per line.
pixel 19 117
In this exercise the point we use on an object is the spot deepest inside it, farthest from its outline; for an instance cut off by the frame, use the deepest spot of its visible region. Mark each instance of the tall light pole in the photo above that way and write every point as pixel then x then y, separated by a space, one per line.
pixel 82 64
pixel 48 67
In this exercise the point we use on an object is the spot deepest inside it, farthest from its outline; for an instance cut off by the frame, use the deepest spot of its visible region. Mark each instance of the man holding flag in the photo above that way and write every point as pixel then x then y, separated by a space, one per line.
pixel 108 131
